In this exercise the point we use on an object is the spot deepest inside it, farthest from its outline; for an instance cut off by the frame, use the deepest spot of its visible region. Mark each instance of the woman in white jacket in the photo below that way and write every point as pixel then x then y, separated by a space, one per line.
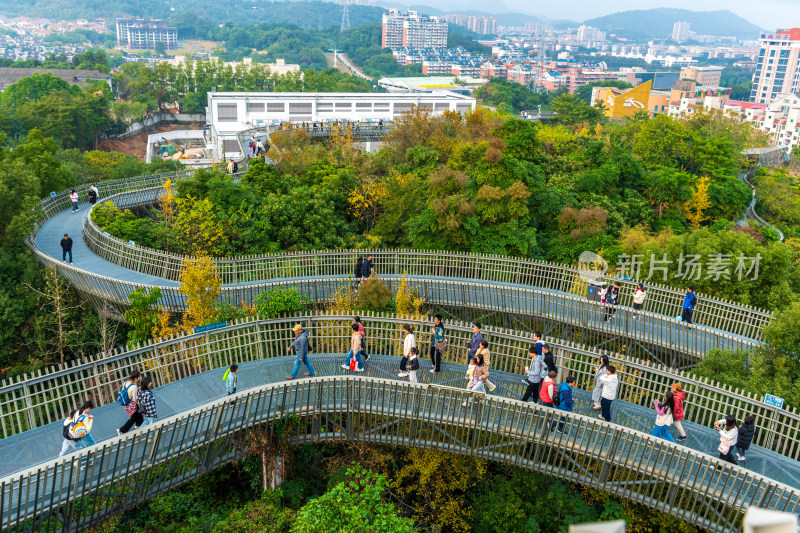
pixel 409 342
pixel 638 300
pixel 597 392
pixel 728 435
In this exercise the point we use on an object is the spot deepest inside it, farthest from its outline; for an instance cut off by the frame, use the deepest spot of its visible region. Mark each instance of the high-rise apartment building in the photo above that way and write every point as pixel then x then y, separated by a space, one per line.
pixel 480 25
pixel 411 30
pixel 144 33
pixel 778 67
pixel 680 31
pixel 588 33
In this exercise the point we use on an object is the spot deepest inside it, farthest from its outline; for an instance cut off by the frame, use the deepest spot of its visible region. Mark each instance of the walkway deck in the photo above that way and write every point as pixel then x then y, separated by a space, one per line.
pixel 26 450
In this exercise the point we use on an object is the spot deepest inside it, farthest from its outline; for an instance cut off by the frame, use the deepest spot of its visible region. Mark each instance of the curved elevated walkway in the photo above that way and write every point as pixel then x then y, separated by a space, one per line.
pixel 376 407
pixel 199 423
pixel 108 283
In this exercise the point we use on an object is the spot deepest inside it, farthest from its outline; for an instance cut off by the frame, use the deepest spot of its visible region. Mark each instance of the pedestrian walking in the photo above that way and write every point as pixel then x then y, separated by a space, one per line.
pixel 355 352
pixel 548 390
pixel 74 197
pixel 92 194
pixel 677 416
pixel 230 377
pixel 484 351
pixel 77 429
pixel 599 371
pixel 408 342
pixel 664 412
pixel 728 436
pixel 534 379
pixel 413 364
pixel 566 401
pixel 364 354
pixel 603 293
pixel 300 346
pixel 438 344
pixel 745 437
pixel 537 340
pixel 147 402
pixel 689 301
pixel 366 267
pixel 547 358
pixel 638 300
pixel 128 397
pixel 474 342
pixel 359 266
pixel 610 382
pixel 478 382
pixel 611 305
pixel 66 248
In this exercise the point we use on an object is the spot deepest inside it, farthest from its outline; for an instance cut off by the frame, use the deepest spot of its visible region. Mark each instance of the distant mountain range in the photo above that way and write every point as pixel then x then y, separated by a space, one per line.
pixel 657 23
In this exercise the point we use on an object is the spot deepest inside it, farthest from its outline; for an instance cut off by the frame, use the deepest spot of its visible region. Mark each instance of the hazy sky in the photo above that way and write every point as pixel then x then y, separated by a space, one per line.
pixel 766 13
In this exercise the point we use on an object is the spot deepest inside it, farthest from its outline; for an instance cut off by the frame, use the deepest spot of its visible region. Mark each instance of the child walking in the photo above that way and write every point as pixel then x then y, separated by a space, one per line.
pixel 413 364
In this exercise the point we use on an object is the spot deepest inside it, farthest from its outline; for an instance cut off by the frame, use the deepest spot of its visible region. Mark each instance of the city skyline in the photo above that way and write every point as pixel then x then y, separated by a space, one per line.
pixel 770 15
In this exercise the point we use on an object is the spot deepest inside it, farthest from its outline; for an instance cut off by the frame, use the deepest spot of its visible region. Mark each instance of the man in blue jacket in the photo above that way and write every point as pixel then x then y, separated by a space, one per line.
pixel 566 401
pixel 300 346
pixel 688 305
pixel 475 342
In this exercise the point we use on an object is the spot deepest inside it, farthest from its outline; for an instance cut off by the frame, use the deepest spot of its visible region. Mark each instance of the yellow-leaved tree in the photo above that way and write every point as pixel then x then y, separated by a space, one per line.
pixel 201 285
pixel 198 228
pixel 694 208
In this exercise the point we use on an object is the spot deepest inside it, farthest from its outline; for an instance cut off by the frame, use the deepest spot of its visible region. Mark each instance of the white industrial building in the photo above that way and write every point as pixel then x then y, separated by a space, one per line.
pixel 229 113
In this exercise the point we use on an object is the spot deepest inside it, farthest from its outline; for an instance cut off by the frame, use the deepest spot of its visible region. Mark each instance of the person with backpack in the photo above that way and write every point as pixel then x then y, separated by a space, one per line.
pixel 364 354
pixel 355 352
pixel 565 401
pixel 534 379
pixel 147 402
pixel 438 344
pixel 413 364
pixel 547 358
pixel 300 346
pixel 689 301
pixel 128 398
pixel 77 429
pixel 679 397
pixel 610 383
pixel 92 194
pixel 745 437
pixel 664 410
pixel 638 300
pixel 547 392
pixel 728 436
pixel 74 197
pixel 230 377
pixel 408 342
pixel 599 371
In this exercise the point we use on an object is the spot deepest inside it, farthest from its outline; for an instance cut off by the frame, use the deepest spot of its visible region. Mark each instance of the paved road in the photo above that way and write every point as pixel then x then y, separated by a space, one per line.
pixel 42 444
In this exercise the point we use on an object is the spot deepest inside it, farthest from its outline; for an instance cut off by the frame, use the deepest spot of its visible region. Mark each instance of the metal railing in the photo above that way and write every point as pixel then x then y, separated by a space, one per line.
pixel 683 345
pixel 38 399
pixel 128 470
pixel 719 314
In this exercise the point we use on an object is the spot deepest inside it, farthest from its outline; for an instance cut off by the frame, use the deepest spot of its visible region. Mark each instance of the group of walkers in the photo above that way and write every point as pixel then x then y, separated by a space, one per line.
pixel 610 297
pixel 137 399
pixel 66 240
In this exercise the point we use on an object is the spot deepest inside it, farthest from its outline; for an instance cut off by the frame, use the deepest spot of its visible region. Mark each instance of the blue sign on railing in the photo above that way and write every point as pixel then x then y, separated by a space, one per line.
pixel 218 325
pixel 773 401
